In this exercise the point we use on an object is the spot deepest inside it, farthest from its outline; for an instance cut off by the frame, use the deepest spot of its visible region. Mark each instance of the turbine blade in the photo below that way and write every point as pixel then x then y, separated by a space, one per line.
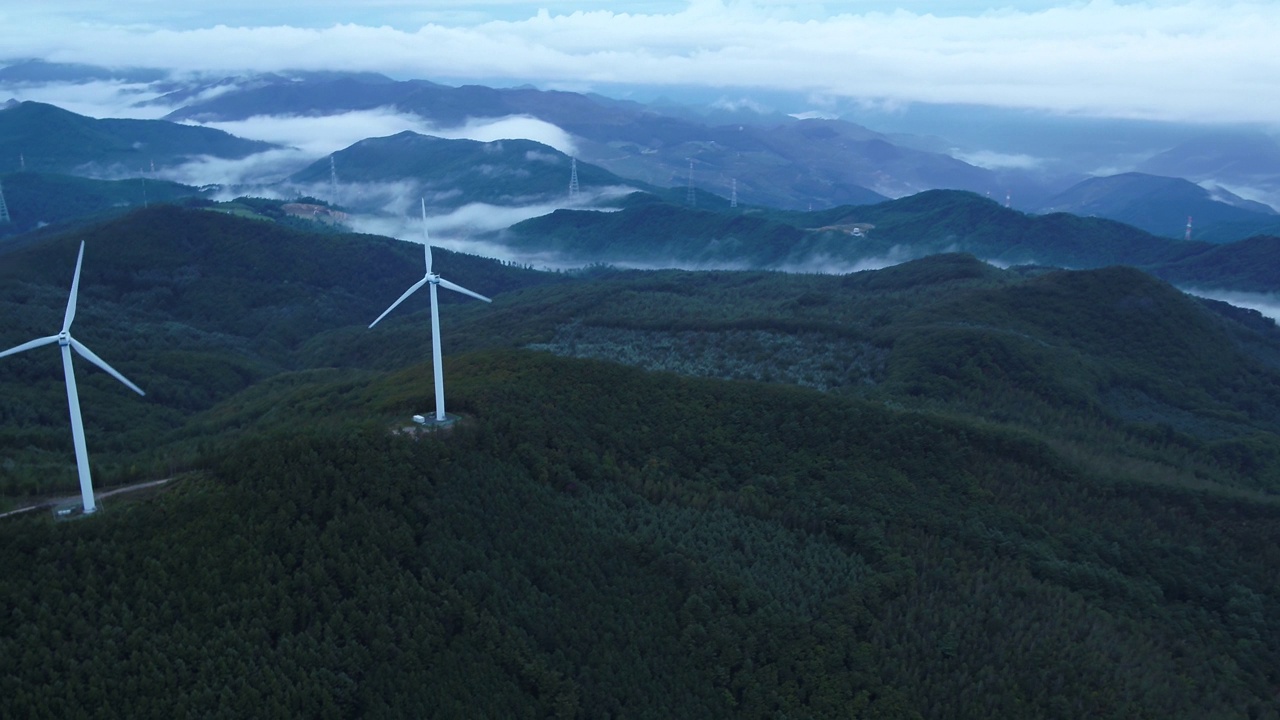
pixel 458 288
pixel 428 247
pixel 88 354
pixel 75 290
pixel 30 344
pixel 407 293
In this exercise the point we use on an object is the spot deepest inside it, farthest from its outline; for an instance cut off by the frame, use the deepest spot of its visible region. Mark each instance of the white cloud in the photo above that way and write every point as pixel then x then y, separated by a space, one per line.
pixel 318 136
pixel 1267 195
pixel 322 135
pixel 742 104
pixel 998 161
pixel 258 169
pixel 815 115
pixel 509 128
pixel 308 139
pixel 103 98
pixel 827 265
pixel 455 230
pixel 1205 60
pixel 1266 303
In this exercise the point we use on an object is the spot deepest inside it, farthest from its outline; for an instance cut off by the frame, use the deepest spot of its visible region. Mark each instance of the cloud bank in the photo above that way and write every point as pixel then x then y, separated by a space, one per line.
pixel 1266 303
pixel 1197 60
pixel 321 135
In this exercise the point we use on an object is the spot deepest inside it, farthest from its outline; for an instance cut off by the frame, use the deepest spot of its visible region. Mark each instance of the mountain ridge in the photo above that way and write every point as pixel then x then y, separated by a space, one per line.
pixel 1160 204
pixel 50 139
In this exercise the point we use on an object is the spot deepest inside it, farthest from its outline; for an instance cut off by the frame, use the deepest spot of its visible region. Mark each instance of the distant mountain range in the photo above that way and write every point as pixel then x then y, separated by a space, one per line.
pixel 1162 205
pixel 774 159
pixel 735 195
pixel 841 239
pixel 1239 158
pixel 796 164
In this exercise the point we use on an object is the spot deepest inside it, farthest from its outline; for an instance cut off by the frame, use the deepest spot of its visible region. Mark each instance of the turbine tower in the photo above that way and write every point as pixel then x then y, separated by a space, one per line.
pixel 1188 235
pixel 573 180
pixel 433 280
pixel 68 344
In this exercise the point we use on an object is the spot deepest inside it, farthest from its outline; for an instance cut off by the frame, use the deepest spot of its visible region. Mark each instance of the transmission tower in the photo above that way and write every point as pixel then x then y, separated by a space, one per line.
pixel 573 179
pixel 333 182
pixel 4 209
pixel 691 198
pixel 733 194
pixel 1188 235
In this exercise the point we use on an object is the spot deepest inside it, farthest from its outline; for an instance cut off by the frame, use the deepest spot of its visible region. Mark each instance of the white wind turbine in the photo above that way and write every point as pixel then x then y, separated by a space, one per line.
pixel 69 343
pixel 433 280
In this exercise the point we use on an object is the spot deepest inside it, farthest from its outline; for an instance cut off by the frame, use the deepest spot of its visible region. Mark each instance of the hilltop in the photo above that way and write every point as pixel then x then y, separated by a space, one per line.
pixel 50 139
pixel 452 173
pixel 1163 205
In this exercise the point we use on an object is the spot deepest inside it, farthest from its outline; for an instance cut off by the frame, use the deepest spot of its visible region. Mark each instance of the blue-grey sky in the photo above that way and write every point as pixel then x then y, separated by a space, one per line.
pixel 409 15
pixel 1206 60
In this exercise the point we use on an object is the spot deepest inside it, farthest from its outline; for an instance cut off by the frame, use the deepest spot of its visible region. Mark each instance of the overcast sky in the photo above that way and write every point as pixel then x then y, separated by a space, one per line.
pixel 1210 60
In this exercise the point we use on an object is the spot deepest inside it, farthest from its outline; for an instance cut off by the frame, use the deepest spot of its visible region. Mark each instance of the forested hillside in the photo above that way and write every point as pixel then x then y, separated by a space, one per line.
pixel 38 199
pixel 194 304
pixel 648 233
pixel 451 173
pixel 599 541
pixel 50 139
pixel 937 490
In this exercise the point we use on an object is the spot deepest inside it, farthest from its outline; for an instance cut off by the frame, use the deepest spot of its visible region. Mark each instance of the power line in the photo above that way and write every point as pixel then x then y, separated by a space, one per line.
pixel 691 198
pixel 333 183
pixel 4 209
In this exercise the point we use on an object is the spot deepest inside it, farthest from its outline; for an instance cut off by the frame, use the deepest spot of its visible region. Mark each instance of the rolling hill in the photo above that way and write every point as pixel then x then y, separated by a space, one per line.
pixel 52 140
pixel 840 239
pixel 1244 161
pixel 452 173
pixel 38 199
pixel 935 489
pixel 1161 206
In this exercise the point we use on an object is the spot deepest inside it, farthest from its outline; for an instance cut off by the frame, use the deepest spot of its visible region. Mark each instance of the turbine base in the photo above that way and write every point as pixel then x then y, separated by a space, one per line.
pixel 71 510
pixel 428 423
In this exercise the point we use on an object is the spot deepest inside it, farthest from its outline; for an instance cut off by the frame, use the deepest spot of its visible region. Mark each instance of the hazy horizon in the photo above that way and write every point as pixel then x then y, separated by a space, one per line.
pixel 1207 61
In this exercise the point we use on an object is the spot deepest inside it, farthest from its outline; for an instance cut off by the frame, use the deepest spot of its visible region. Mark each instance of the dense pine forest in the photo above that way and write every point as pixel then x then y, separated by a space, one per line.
pixel 938 490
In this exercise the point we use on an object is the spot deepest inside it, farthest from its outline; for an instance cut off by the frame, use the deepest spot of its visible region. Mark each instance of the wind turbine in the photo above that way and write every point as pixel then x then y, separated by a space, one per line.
pixel 67 344
pixel 434 280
